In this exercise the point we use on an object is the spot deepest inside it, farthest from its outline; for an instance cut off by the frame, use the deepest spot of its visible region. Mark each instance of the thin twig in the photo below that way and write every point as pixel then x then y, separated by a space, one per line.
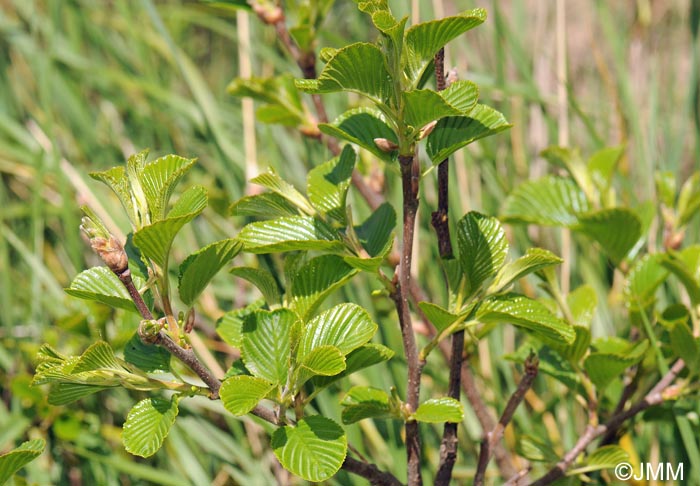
pixel 376 476
pixel 493 437
pixel 128 282
pixel 656 395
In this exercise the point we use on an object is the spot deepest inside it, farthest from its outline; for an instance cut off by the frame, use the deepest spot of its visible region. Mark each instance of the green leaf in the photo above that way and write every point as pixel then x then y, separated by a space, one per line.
pixel 361 126
pixel 65 393
pixel 362 402
pixel 606 457
pixel 534 449
pixel 424 40
pixel 146 357
pixel 241 394
pixel 602 166
pixel 438 317
pixel 376 234
pixel 148 424
pixel 645 277
pixel 606 363
pixel 528 314
pixel 534 260
pixel 268 205
pixel 199 268
pixel 688 200
pixel 550 201
pixel 571 161
pixel 289 234
pixel 117 180
pixel 266 344
pixel 17 458
pixel 582 303
pixel 455 132
pixel 482 250
pixel 158 180
pixel 272 181
pixel 263 280
pixel 327 185
pixel 686 266
pixel 362 357
pixel 359 67
pixel 99 356
pixel 421 106
pixel 316 280
pixel 616 229
pixel 155 240
pixel 283 103
pixel 230 325
pixel 438 410
pixel 314 449
pixel 324 361
pixel 100 284
pixel 345 326
pixel 685 346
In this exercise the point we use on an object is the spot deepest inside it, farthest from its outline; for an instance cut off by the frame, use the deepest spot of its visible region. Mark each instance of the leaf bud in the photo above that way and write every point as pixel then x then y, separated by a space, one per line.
pixel 385 145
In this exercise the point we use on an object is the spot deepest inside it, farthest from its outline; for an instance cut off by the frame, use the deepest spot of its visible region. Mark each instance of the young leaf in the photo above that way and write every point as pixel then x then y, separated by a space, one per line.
pixel 606 457
pixel 148 424
pixel 199 268
pixel 155 240
pixel 146 357
pixel 438 410
pixel 616 229
pixel 582 303
pixel 685 346
pixel 158 180
pixel 425 39
pixel 376 233
pixel 362 126
pixel 526 313
pixel 289 234
pixel 438 317
pixel 602 166
pixel 314 449
pixel 241 394
pixel 425 105
pixel 230 325
pixel 536 450
pixel 647 274
pixel 315 281
pixel 606 364
pixel 345 326
pixel 102 285
pixel 686 266
pixel 534 259
pixel 362 357
pixel 359 67
pixel 324 360
pixel 688 199
pixel 327 185
pixel 117 180
pixel 455 132
pixel 268 205
pixel 271 180
pixel 266 344
pixel 17 458
pixel 362 402
pixel 263 280
pixel 550 201
pixel 482 249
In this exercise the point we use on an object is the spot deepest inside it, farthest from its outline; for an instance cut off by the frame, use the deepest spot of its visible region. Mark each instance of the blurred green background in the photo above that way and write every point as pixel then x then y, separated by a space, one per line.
pixel 85 83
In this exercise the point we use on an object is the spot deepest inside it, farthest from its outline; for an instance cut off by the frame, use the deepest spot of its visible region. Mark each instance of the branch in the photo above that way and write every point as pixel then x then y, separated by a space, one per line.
pixel 662 391
pixel 372 473
pixel 493 437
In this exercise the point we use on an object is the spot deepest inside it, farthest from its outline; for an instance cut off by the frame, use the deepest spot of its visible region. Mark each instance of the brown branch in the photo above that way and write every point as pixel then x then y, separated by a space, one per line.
pixel 493 437
pixel 662 391
pixel 128 282
pixel 372 473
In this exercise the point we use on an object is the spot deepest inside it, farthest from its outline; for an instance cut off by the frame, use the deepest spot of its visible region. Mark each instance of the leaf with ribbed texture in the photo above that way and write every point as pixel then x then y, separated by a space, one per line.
pixel 268 205
pixel 685 345
pixel 439 410
pixel 534 259
pixel 439 317
pixel 424 40
pixel 147 425
pixel 376 233
pixel 323 361
pixel 266 344
pixel 482 250
pixel 686 266
pixel 116 179
pixel 363 357
pixel 241 394
pixel 16 459
pixel 345 326
pixel 582 303
pixel 158 180
pixel 230 326
pixel 550 201
pixel 645 277
pixel 611 358
pixel 263 280
pixel 272 181
pixel 199 268
pixel 314 449
pixel 146 357
pixel 617 230
pixel 359 67
pixel 99 356
pixel 362 402
pixel 102 285
pixel 316 280
pixel 65 393
pixel 289 234
pixel 606 457
pixel 424 105
pixel 361 126
pixel 455 132
pixel 155 240
pixel 536 450
pixel 688 200
pixel 327 184
pixel 602 164
pixel 528 314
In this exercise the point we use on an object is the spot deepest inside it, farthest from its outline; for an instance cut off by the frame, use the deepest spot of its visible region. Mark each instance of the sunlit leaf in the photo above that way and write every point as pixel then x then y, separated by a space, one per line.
pixel 316 280
pixel 362 402
pixel 534 259
pixel 266 344
pixel 550 201
pixel 362 126
pixel 327 184
pixel 241 394
pixel 100 284
pixel 289 234
pixel 439 410
pixel 199 268
pixel 17 458
pixel 147 425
